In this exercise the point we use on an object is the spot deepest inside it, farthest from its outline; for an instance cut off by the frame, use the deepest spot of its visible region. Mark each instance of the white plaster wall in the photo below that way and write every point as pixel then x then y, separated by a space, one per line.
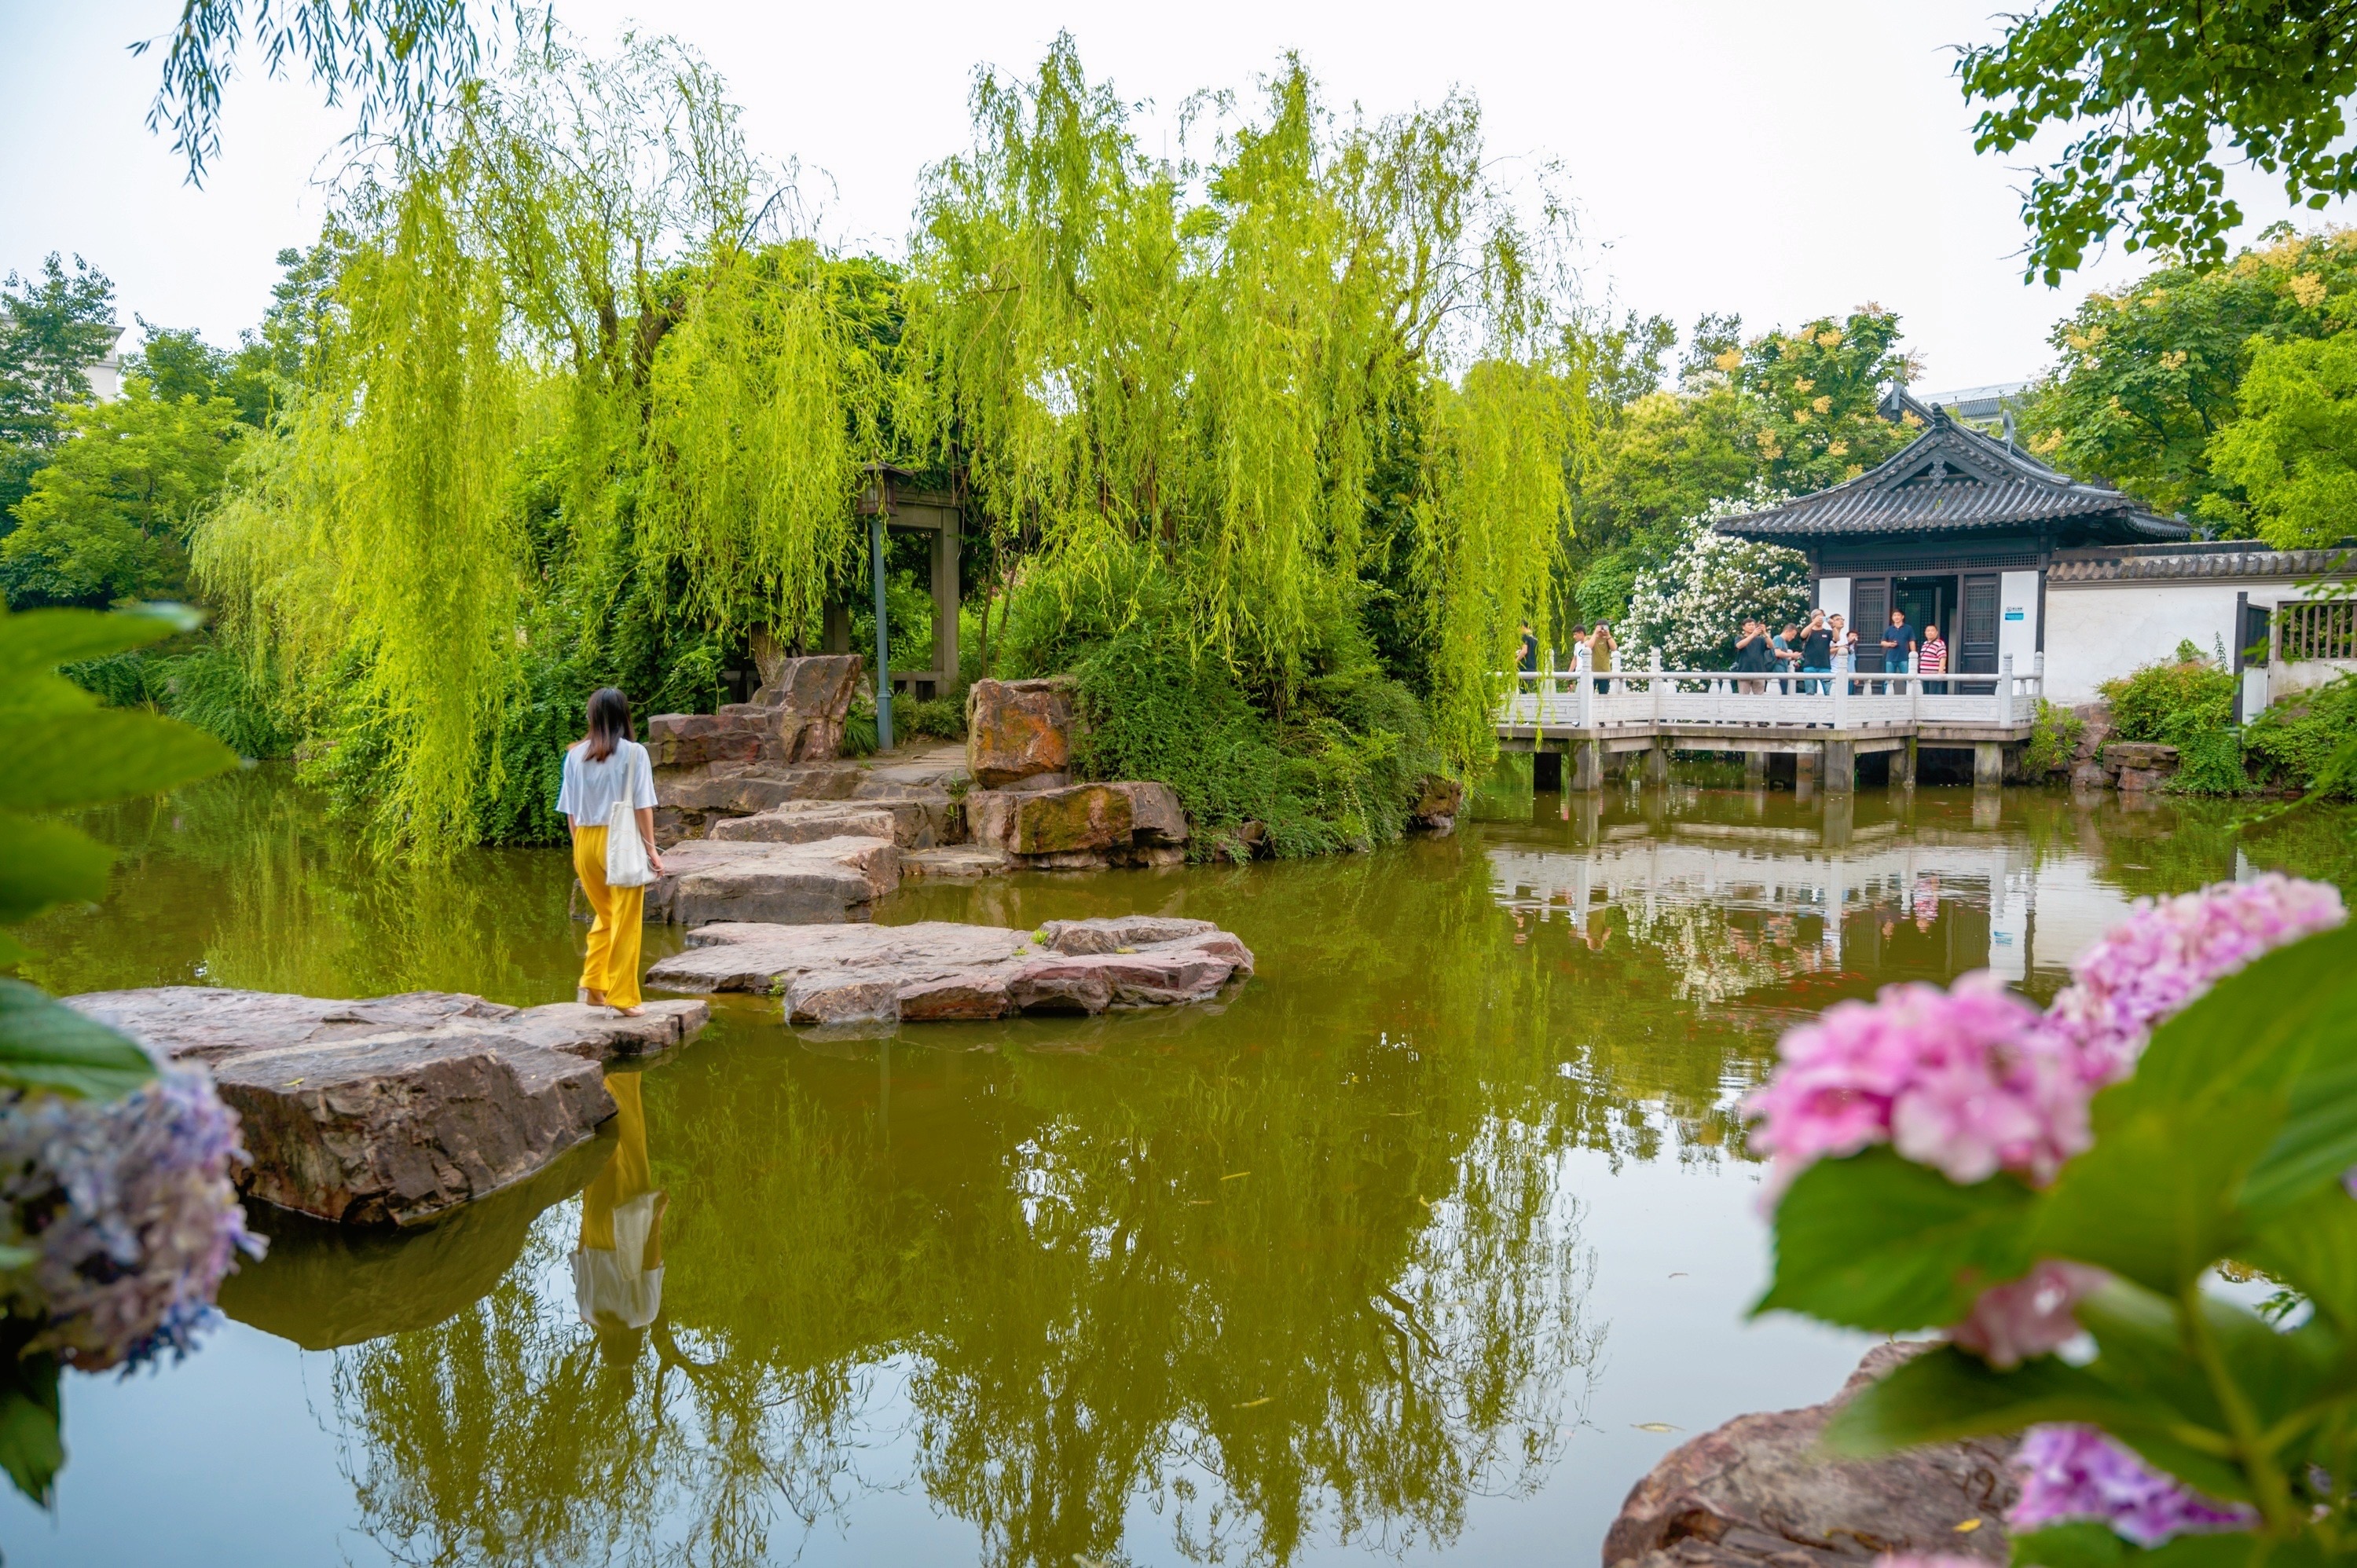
pixel 2096 633
pixel 2288 680
pixel 2016 620
pixel 1832 596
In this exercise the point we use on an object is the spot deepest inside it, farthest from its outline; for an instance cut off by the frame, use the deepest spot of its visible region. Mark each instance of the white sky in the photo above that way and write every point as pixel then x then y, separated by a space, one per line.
pixel 1782 160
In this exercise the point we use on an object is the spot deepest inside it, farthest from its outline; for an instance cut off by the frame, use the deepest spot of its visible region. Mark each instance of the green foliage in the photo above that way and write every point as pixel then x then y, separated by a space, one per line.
pixel 1188 374
pixel 2305 740
pixel 2227 1144
pixel 1340 772
pixel 2294 450
pixel 2153 91
pixel 1811 395
pixel 942 718
pixel 2146 379
pixel 53 327
pixel 2053 740
pixel 109 517
pixel 2187 701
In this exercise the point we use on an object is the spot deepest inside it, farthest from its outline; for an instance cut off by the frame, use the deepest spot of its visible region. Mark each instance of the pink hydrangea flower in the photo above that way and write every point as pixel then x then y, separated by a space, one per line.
pixel 2077 1472
pixel 1968 1082
pixel 2032 1316
pixel 2166 953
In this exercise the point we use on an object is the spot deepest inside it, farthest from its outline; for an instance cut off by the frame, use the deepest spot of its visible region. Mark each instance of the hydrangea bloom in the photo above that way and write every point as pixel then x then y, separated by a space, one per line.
pixel 2168 952
pixel 2029 1316
pixel 128 1204
pixel 1967 1081
pixel 2076 1472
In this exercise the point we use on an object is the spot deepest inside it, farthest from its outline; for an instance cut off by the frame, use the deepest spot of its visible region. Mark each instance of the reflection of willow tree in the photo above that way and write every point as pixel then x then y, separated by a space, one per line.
pixel 240 881
pixel 1302 1268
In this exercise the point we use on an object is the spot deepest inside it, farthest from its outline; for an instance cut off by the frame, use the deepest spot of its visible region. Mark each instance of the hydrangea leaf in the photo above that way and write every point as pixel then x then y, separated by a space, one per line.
pixel 1946 1393
pixel 2312 1246
pixel 46 1045
pixel 36 640
pixel 45 863
pixel 1877 1242
pixel 73 760
pixel 32 1449
pixel 2075 1543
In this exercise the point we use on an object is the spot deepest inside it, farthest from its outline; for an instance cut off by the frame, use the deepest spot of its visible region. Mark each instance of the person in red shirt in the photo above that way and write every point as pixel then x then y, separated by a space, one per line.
pixel 1931 658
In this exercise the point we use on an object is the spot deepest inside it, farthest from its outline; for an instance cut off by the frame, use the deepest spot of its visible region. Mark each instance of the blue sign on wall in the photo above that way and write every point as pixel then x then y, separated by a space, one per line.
pixel 2012 614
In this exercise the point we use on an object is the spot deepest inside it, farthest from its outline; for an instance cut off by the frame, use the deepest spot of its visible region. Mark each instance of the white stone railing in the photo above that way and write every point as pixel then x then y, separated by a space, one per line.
pixel 1619 698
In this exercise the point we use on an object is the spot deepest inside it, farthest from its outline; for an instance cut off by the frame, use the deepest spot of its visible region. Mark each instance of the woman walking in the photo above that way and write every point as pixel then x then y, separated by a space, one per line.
pixel 603 769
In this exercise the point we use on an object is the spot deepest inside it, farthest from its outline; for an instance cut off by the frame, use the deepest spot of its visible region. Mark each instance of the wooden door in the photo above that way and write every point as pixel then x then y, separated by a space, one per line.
pixel 1869 603
pixel 1975 631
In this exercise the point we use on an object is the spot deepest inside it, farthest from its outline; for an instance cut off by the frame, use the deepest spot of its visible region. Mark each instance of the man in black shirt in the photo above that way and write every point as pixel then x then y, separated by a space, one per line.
pixel 1816 651
pixel 1753 656
pixel 1530 650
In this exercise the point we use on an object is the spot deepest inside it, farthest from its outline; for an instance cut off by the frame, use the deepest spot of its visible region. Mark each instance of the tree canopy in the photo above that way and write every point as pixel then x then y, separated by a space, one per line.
pixel 2150 91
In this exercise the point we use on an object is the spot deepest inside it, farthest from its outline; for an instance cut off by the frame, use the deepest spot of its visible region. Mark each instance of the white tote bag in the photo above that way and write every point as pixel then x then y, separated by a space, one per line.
pixel 626 852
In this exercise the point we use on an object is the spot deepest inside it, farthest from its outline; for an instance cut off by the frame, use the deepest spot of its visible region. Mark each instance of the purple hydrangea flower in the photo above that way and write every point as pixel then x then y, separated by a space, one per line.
pixel 1968 1080
pixel 128 1206
pixel 2168 952
pixel 2029 1316
pixel 2077 1472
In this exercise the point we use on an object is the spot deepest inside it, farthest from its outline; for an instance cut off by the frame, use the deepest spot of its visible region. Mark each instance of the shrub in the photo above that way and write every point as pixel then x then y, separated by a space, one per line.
pixel 2187 701
pixel 943 718
pixel 2053 740
pixel 2303 740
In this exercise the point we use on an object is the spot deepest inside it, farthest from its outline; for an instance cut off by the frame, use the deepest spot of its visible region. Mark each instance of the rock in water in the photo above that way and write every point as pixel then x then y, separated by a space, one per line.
pixel 1754 1493
pixel 825 882
pixel 1439 801
pixel 1015 729
pixel 399 1107
pixel 1081 826
pixel 940 969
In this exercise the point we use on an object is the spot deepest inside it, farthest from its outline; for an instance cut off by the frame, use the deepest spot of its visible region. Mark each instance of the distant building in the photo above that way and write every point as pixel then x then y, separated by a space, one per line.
pixel 1988 409
pixel 105 377
pixel 2012 560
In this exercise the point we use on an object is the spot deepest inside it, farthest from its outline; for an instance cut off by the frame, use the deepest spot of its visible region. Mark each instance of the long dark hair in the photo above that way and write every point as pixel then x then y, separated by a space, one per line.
pixel 609 723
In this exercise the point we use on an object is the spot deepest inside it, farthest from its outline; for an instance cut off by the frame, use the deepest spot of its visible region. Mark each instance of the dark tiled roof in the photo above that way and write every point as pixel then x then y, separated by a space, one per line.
pixel 2227 558
pixel 1951 479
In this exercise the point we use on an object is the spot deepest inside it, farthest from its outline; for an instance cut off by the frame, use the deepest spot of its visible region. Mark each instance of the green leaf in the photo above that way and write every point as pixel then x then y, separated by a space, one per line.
pixel 1946 1393
pixel 1877 1242
pixel 45 863
pixel 45 1044
pixel 2075 1543
pixel 35 640
pixel 81 758
pixel 2312 1246
pixel 32 1448
pixel 2156 1201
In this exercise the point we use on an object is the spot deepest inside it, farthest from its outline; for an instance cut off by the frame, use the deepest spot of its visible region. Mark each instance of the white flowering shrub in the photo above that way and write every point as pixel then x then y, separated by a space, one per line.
pixel 1692 609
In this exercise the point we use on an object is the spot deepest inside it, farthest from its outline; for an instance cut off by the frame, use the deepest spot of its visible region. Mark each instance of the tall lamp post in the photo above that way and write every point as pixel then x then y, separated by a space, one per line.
pixel 883 651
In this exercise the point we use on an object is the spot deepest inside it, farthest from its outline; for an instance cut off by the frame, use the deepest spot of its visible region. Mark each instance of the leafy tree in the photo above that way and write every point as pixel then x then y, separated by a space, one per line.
pixel 2146 380
pixel 1691 608
pixel 402 59
pixel 53 327
pixel 109 518
pixel 1812 394
pixel 2153 89
pixel 2294 451
pixel 177 363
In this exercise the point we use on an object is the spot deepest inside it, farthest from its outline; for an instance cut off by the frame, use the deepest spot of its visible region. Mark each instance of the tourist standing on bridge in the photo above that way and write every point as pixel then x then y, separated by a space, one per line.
pixel 1599 655
pixel 1530 663
pixel 1753 656
pixel 1844 645
pixel 606 770
pixel 1897 645
pixel 1931 658
pixel 1816 651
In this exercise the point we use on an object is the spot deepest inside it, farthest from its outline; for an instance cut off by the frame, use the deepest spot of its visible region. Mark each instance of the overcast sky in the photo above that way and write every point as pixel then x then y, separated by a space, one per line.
pixel 1785 160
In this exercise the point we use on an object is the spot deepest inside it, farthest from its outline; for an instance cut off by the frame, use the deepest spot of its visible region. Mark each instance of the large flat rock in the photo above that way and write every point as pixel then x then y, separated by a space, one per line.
pixel 919 820
pixel 825 881
pixel 394 1109
pixel 1757 1493
pixel 938 970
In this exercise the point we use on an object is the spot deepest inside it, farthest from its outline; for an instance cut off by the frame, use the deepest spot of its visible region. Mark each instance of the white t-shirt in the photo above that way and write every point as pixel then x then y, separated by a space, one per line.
pixel 590 789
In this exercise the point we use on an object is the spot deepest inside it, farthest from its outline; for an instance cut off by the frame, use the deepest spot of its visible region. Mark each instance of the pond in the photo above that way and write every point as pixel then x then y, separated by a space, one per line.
pixel 1424 1243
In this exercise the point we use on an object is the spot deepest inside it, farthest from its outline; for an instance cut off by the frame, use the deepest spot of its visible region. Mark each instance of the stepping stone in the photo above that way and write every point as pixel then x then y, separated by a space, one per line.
pixel 396 1108
pixel 823 881
pixel 938 970
pixel 955 863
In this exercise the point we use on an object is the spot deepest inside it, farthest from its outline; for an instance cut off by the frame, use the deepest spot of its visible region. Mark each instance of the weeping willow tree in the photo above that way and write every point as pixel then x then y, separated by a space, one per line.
pixel 577 273
pixel 1182 377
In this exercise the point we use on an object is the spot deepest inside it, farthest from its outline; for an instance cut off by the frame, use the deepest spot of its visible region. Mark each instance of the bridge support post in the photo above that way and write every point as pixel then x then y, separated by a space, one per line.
pixel 1902 765
pixel 1546 767
pixel 1586 765
pixel 1804 772
pixel 1840 768
pixel 1657 766
pixel 1755 770
pixel 1988 764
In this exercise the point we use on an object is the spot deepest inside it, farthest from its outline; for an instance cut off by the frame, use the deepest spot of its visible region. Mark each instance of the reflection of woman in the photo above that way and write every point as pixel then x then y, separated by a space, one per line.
pixel 618 1269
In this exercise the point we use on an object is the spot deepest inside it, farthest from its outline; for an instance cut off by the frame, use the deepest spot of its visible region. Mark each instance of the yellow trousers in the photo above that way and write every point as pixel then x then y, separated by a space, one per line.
pixel 611 966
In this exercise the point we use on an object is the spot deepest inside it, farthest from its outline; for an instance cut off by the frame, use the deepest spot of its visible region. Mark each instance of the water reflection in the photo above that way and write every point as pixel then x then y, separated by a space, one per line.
pixel 1308 1269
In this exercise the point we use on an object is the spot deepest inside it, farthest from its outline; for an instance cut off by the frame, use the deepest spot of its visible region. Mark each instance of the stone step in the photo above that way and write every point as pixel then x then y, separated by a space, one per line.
pixel 916 820
pixel 395 1109
pixel 821 882
pixel 940 969
pixel 955 863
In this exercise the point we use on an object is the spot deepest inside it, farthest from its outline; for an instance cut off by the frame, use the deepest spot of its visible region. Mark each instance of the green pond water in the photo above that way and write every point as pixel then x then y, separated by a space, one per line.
pixel 1424 1243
